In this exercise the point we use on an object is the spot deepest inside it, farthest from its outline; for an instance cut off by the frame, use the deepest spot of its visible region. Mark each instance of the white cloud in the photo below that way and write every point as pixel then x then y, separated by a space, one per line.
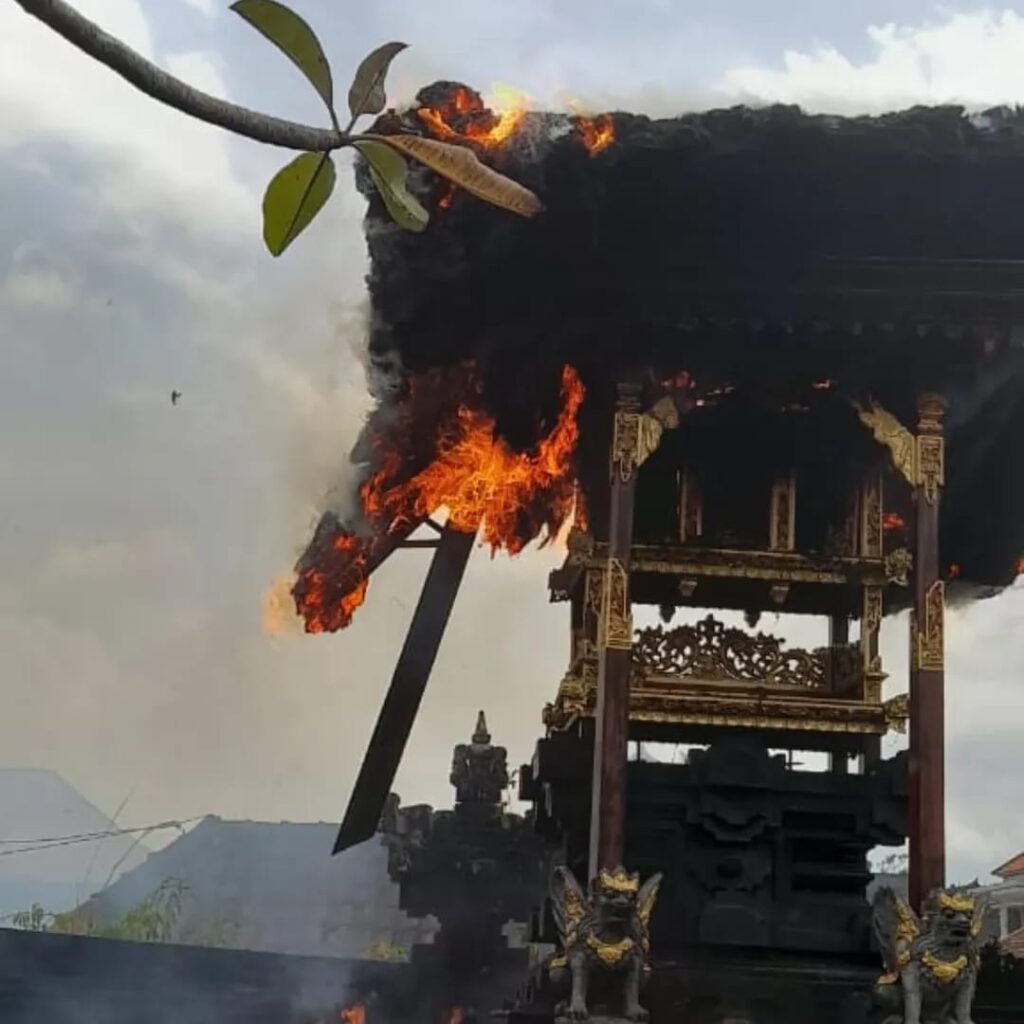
pixel 155 160
pixel 972 59
pixel 43 289
pixel 208 7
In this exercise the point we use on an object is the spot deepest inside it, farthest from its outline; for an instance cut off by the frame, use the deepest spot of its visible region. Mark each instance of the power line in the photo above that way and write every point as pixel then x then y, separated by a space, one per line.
pixel 52 842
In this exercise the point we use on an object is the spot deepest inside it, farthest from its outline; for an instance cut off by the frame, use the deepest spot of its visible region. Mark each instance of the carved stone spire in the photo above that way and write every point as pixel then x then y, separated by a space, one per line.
pixel 481 736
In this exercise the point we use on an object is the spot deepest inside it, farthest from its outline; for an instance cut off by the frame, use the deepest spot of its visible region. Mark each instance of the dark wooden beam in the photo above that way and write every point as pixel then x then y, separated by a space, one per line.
pixel 614 646
pixel 926 763
pixel 387 744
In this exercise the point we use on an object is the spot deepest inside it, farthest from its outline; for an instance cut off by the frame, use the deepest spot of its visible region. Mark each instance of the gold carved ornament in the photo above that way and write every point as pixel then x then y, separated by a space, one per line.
pixel 616 622
pixel 871 518
pixel 618 881
pixel 960 904
pixel 898 564
pixel 709 650
pixel 931 465
pixel 945 971
pixel 896 711
pixel 611 953
pixel 888 430
pixel 636 436
pixel 929 638
pixel 920 459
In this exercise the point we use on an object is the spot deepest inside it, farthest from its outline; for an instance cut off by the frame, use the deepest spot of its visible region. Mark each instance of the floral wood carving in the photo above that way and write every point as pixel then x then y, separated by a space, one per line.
pixel 711 651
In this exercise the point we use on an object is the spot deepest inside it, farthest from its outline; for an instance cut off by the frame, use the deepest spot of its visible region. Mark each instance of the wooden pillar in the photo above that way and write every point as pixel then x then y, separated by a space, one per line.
pixel 614 646
pixel 927 704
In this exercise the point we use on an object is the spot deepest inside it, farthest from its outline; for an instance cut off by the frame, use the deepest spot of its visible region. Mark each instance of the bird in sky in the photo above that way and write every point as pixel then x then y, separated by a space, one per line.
pixel 175 395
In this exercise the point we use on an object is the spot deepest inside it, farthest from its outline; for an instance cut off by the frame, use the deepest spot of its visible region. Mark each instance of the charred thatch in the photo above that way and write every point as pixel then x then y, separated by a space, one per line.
pixel 761 250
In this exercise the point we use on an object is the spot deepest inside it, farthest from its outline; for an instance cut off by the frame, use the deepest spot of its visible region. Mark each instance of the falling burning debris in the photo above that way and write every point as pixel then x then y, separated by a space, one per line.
pixel 953 571
pixel 352 1015
pixel 596 133
pixel 824 385
pixel 892 521
pixel 511 497
pixel 279 609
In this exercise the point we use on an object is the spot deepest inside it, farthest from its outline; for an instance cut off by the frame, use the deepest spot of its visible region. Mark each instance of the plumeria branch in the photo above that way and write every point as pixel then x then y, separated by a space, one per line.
pixel 156 83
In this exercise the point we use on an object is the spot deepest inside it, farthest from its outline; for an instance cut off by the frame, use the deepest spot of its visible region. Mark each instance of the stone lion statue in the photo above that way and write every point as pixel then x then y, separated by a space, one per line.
pixel 931 962
pixel 605 930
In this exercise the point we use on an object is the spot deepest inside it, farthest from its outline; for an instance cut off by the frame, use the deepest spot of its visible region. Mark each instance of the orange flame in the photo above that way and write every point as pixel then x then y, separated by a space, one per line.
pixel 953 571
pixel 279 616
pixel 1020 566
pixel 511 497
pixel 323 615
pixel 352 1015
pixel 893 521
pixel 483 483
pixel 464 118
pixel 596 133
pixel 824 385
pixel 447 196
pixel 456 1016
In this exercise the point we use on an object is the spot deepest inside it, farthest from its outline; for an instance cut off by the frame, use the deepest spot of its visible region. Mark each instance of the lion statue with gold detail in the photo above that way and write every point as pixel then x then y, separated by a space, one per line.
pixel 606 931
pixel 931 961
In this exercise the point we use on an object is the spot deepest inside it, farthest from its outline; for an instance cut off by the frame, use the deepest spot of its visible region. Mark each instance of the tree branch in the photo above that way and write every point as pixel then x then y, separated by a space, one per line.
pixel 157 83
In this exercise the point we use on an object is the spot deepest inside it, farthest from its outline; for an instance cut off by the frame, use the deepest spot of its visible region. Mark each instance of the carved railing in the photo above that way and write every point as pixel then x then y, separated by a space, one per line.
pixel 710 651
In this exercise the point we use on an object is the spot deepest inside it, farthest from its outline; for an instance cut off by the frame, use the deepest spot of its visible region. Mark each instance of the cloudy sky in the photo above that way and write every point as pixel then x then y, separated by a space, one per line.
pixel 137 540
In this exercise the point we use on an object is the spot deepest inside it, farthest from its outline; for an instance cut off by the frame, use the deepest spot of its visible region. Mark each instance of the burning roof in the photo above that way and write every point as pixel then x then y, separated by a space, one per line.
pixel 763 252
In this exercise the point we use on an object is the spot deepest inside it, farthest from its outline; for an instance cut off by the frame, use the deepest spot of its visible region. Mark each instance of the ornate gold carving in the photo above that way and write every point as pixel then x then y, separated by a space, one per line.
pixel 872 609
pixel 898 564
pixel 897 711
pixel 581 547
pixel 781 526
pixel 691 508
pixel 625 445
pixel 616 624
pixel 961 903
pixel 618 881
pixel 653 701
pixel 931 465
pixel 889 431
pixel 636 436
pixel 843 540
pixel 709 651
pixel 593 594
pixel 929 639
pixel 611 953
pixel 871 517
pixel 944 970
pixel 780 566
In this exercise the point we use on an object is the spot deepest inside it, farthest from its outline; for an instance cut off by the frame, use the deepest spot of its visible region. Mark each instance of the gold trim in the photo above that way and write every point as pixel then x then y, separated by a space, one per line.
pixel 961 904
pixel 625 445
pixel 888 430
pixel 611 953
pixel 871 517
pixel 898 564
pixel 931 465
pixel 618 881
pixel 897 711
pixel 945 971
pixel 930 639
pixel 782 516
pixel 616 623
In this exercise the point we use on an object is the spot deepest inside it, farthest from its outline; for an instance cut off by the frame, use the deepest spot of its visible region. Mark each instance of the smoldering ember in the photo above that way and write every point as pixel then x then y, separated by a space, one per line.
pixel 749 359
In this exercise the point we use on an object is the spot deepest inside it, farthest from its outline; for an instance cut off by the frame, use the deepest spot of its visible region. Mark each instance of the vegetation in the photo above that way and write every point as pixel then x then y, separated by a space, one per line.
pixel 152 920
pixel 384 950
pixel 299 191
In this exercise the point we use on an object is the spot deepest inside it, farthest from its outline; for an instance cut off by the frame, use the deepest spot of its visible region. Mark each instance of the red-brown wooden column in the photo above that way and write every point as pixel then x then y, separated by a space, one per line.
pixel 927 798
pixel 614 644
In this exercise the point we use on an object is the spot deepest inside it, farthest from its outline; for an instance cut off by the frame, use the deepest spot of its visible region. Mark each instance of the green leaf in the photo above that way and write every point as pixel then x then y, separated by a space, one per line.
pixel 367 93
pixel 286 30
pixel 295 197
pixel 388 169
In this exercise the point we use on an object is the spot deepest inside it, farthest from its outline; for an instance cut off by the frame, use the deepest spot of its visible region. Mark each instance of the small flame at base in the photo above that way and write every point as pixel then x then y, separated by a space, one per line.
pixel 352 1015
pixel 279 616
